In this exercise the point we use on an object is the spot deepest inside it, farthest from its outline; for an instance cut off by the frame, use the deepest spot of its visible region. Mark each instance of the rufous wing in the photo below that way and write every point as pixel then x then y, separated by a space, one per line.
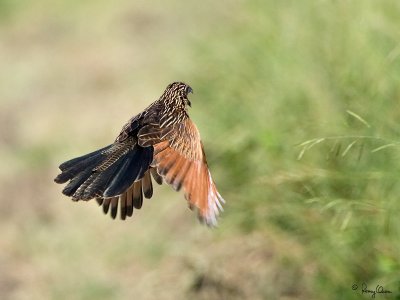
pixel 180 160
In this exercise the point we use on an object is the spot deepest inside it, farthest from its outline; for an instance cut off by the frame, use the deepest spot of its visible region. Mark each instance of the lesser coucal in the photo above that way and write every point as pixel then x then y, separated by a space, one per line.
pixel 161 141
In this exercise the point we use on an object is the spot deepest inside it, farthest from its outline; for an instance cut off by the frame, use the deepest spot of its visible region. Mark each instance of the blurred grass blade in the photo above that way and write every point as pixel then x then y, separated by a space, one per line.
pixel 361 151
pixel 348 148
pixel 384 147
pixel 307 145
pixel 331 204
pixel 353 114
pixel 346 220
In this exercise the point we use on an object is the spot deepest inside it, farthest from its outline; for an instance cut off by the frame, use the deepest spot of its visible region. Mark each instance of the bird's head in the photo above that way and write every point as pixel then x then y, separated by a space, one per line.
pixel 178 92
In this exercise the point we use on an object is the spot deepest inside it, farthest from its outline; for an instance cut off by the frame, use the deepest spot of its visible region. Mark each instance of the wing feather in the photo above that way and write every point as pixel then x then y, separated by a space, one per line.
pixel 123 200
pixel 147 186
pixel 137 195
pixel 129 202
pixel 156 176
pixel 181 161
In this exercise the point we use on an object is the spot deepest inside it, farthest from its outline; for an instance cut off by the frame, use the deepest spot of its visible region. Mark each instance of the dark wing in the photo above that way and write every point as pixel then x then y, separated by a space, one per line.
pixel 118 174
pixel 179 158
pixel 132 197
pixel 149 116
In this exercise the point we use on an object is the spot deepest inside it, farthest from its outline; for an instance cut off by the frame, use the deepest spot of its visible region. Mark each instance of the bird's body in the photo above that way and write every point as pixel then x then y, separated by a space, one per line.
pixel 161 142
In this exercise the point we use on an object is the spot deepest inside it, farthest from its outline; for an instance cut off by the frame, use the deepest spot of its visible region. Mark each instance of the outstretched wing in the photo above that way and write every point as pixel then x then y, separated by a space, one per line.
pixel 117 175
pixel 179 158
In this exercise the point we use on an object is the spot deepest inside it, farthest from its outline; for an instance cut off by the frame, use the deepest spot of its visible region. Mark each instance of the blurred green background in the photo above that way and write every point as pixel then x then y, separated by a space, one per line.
pixel 267 76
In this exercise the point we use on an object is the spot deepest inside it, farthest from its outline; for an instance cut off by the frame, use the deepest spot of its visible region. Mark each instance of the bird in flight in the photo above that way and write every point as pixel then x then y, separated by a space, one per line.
pixel 160 142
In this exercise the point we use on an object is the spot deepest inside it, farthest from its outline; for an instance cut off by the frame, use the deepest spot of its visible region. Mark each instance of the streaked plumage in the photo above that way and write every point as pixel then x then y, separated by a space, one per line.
pixel 161 142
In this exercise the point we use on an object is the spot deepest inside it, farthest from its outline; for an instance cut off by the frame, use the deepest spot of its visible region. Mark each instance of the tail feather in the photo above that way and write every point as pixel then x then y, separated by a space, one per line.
pixel 114 207
pixel 130 199
pixel 156 176
pixel 129 202
pixel 100 201
pixel 147 186
pixel 137 195
pixel 123 201
pixel 106 205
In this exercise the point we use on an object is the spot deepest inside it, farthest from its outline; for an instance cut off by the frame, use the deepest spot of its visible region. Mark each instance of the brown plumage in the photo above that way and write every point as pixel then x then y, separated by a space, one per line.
pixel 161 142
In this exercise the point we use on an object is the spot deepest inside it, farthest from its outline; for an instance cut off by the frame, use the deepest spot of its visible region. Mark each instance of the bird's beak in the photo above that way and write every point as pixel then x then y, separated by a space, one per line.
pixel 189 90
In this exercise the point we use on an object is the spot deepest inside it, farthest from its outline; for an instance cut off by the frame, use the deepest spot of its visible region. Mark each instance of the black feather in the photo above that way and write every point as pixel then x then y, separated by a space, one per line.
pixel 129 200
pixel 114 207
pixel 131 170
pixel 97 186
pixel 122 200
pixel 76 182
pixel 147 185
pixel 106 205
pixel 137 195
pixel 156 177
pixel 74 161
pixel 75 166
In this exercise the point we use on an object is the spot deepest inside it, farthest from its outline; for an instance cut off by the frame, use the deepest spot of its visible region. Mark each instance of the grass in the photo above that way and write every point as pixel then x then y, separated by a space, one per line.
pixel 297 104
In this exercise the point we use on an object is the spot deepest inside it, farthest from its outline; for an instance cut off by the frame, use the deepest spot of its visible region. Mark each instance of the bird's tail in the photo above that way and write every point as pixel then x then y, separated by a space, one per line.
pixel 105 173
